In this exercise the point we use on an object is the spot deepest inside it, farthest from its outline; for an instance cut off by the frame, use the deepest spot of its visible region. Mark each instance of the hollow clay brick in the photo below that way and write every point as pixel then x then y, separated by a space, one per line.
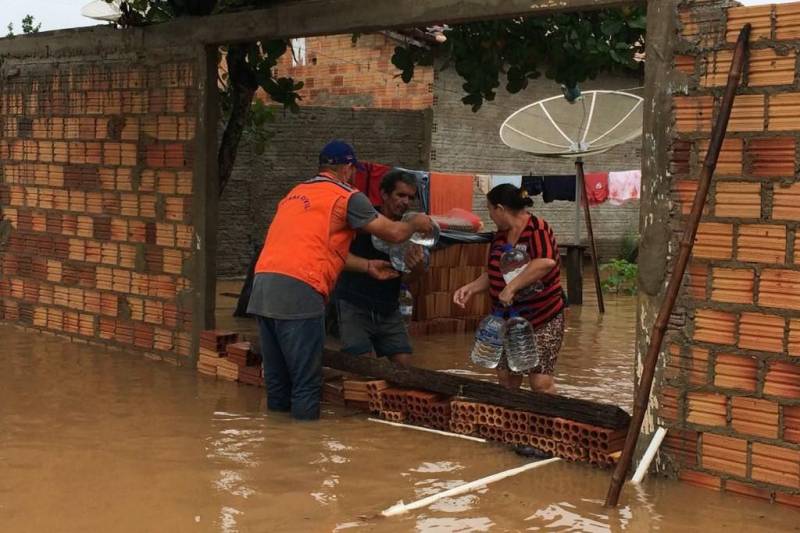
pixel 732 285
pixel 783 379
pixel 724 454
pixel 736 372
pixel 761 332
pixel 785 201
pixel 706 408
pixel 714 241
pixel 776 465
pixel 714 326
pixel 771 157
pixel 756 417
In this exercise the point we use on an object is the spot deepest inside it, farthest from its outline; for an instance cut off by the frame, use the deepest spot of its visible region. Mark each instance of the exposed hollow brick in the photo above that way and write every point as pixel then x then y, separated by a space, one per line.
pixel 730 156
pixel 794 337
pixel 761 332
pixel 761 243
pixel 783 111
pixel 787 499
pixel 751 416
pixel 737 199
pixel 724 454
pixel 706 408
pixel 760 17
pixel 776 465
pixel 733 285
pixel 771 157
pixel 783 380
pixel 747 113
pixel 700 479
pixel 696 283
pixel 668 403
pixel 786 202
pixel 787 21
pixel 685 64
pixel 717 327
pixel 738 372
pixel 743 489
pixel 714 241
pixel 684 192
pixel 693 113
pixel 697 365
pixel 791 423
pixel 779 289
pixel 681 446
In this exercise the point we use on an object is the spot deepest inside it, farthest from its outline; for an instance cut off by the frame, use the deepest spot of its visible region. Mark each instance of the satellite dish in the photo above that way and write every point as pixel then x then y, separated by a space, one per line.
pixel 102 10
pixel 554 127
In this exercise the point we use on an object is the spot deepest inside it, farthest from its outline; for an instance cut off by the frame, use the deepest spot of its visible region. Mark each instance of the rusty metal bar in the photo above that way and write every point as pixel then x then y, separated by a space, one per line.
pixel 687 242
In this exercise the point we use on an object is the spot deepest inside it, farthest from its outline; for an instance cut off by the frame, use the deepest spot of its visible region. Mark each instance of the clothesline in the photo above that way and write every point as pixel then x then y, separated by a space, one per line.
pixel 614 187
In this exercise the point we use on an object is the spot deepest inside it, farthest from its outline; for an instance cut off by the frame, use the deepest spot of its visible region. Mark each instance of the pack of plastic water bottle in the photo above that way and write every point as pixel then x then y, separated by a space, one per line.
pixel 488 348
pixel 519 344
pixel 512 263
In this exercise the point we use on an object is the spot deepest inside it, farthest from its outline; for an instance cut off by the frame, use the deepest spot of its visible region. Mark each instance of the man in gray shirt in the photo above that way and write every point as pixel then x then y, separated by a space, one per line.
pixel 306 248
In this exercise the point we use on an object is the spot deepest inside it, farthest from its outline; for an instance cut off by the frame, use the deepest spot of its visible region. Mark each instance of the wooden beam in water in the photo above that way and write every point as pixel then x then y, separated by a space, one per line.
pixel 584 411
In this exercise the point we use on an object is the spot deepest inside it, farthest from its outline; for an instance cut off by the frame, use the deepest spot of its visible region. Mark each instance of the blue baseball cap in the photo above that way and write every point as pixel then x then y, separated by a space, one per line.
pixel 337 153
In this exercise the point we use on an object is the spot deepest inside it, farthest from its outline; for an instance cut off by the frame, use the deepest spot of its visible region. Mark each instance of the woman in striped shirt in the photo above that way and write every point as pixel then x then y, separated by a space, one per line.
pixel 544 308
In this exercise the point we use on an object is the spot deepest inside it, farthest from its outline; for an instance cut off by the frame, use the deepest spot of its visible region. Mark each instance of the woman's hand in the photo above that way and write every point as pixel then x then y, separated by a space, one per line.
pixel 507 295
pixel 462 296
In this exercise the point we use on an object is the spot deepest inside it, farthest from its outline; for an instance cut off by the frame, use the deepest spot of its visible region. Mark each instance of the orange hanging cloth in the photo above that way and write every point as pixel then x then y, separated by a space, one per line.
pixel 449 191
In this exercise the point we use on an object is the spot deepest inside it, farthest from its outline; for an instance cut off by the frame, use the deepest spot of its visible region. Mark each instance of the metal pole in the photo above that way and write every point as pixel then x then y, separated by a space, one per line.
pixel 674 285
pixel 581 186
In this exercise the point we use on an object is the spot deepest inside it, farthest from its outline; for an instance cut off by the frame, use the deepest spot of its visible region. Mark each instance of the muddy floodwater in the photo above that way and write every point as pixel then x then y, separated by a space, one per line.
pixel 93 440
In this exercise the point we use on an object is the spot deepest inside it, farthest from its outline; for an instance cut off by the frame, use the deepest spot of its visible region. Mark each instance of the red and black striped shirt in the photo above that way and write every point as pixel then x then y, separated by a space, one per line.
pixel 538 241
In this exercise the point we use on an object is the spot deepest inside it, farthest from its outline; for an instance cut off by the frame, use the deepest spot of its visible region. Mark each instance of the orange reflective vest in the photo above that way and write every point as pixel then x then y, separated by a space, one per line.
pixel 304 241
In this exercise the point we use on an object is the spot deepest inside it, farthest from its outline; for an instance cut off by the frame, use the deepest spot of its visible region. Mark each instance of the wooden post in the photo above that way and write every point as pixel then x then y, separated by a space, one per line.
pixel 674 285
pixel 581 185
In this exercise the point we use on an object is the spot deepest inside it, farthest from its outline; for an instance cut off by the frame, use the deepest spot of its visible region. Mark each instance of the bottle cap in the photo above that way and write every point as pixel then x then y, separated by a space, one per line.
pixel 506 248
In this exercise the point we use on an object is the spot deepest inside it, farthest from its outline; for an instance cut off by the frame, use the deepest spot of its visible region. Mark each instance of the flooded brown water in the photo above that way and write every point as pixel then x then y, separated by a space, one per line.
pixel 92 440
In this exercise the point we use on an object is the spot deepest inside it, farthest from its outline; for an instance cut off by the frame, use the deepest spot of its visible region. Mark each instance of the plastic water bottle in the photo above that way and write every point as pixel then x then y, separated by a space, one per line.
pixel 519 344
pixel 397 256
pixel 427 240
pixel 489 341
pixel 512 264
pixel 406 301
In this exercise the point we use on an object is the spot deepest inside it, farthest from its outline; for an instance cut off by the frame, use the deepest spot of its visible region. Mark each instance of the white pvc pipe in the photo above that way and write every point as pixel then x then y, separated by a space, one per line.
pixel 429 430
pixel 644 464
pixel 401 507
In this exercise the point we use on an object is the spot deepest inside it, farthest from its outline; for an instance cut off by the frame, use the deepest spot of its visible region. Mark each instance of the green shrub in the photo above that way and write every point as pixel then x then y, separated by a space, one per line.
pixel 621 276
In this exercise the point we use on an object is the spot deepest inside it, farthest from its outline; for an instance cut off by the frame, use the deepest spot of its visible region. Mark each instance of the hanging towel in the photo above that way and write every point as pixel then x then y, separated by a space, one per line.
pixel 534 185
pixel 624 186
pixel 516 181
pixel 368 180
pixel 596 187
pixel 483 183
pixel 449 191
pixel 558 188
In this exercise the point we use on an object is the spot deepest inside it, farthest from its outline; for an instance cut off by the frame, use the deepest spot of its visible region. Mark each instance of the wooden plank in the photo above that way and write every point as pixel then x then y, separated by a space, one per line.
pixel 585 411
pixel 329 17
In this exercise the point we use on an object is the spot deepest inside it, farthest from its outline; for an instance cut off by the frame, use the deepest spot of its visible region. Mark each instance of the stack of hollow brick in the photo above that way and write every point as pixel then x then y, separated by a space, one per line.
pixel 223 355
pixel 731 390
pixel 563 438
pixel 96 187
pixel 450 269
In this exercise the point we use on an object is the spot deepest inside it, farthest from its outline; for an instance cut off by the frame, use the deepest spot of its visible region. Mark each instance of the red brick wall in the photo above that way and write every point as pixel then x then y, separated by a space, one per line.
pixel 96 180
pixel 732 383
pixel 339 73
